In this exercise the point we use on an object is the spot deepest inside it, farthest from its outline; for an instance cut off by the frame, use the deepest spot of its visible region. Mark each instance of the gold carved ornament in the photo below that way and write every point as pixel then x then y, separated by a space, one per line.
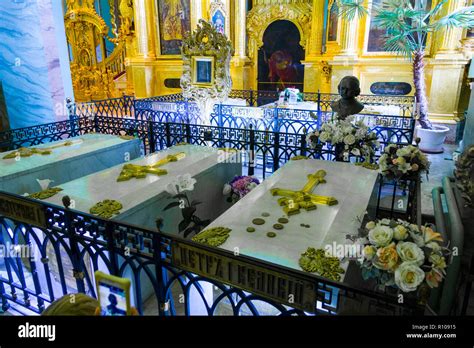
pixel 206 41
pixel 84 28
pixel 261 16
pixel 326 70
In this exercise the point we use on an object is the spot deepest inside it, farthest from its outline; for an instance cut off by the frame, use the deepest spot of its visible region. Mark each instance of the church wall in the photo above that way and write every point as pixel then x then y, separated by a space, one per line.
pixel 325 62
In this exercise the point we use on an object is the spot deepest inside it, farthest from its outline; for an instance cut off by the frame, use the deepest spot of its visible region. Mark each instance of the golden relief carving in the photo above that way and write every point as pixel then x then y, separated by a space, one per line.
pixel 206 44
pixel 326 70
pixel 126 17
pixel 92 73
pixel 262 15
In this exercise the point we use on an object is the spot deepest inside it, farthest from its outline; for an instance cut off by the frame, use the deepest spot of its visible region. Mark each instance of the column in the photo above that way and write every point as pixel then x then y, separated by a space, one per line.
pixel 145 28
pixel 312 65
pixel 51 14
pixel 345 63
pixel 240 22
pixel 317 27
pixel 348 37
pixel 449 38
pixel 143 69
pixel 196 13
pixel 448 64
pixel 240 64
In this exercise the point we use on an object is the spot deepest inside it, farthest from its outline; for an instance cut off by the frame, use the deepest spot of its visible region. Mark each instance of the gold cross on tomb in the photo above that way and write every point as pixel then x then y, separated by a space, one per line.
pixel 293 201
pixel 130 171
pixel 30 151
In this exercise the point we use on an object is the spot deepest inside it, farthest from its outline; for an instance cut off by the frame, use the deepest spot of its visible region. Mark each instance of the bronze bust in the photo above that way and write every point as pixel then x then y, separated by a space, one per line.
pixel 349 89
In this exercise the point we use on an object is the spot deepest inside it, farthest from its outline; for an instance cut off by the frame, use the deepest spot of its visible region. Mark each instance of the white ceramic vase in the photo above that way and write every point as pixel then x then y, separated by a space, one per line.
pixel 432 140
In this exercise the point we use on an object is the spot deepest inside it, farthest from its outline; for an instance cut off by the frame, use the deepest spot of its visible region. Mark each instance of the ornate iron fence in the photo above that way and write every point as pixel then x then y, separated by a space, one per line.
pixel 264 151
pixel 291 127
pixel 86 242
pixel 116 107
pixel 395 127
pixel 45 133
pixel 127 105
pixel 289 123
pixel 69 246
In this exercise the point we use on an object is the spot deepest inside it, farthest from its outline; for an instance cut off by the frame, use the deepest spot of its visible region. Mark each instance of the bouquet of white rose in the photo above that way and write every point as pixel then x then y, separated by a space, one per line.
pixel 402 161
pixel 352 138
pixel 397 253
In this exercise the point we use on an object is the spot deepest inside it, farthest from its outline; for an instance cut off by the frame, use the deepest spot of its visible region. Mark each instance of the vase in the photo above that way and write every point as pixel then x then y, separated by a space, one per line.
pixel 432 140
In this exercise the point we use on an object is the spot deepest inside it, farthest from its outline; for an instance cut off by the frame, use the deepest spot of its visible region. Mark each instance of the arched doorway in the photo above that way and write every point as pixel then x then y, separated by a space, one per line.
pixel 279 59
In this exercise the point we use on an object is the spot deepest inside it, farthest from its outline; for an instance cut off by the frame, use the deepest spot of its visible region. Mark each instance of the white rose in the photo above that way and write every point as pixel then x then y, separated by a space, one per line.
pixel 369 252
pixel 400 232
pixel 349 139
pixel 227 189
pixel 404 168
pixel 324 137
pixel 410 252
pixel 347 128
pixel 361 133
pixel 381 236
pixel 355 152
pixel 370 225
pixel 408 276
pixel 404 151
pixel 416 235
pixel 387 148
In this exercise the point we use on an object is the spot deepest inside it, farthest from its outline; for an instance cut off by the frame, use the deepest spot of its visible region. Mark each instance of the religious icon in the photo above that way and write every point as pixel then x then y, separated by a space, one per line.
pixel 218 20
pixel 203 70
pixel 282 69
pixel 174 23
pixel 172 28
pixel 279 62
pixel 333 22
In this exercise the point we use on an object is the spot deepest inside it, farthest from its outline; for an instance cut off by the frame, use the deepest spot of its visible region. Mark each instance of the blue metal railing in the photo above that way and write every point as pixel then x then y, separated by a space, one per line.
pixel 86 242
pixel 174 108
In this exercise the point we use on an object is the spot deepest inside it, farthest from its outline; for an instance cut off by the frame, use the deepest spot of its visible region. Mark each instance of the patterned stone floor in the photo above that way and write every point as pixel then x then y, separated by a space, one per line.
pixel 441 165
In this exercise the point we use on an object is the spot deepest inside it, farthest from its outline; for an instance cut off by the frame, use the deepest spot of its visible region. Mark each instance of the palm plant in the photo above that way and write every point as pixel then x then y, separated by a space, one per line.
pixel 408 23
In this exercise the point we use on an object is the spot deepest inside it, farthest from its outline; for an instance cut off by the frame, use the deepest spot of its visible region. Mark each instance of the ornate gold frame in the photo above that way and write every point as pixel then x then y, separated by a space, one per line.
pixel 206 42
pixel 264 14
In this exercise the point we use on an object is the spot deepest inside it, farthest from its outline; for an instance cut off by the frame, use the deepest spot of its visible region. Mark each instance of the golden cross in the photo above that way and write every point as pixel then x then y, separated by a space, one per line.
pixel 293 201
pixel 30 151
pixel 139 172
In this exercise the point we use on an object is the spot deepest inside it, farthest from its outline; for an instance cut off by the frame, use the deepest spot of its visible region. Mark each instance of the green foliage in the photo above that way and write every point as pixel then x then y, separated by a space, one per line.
pixel 351 8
